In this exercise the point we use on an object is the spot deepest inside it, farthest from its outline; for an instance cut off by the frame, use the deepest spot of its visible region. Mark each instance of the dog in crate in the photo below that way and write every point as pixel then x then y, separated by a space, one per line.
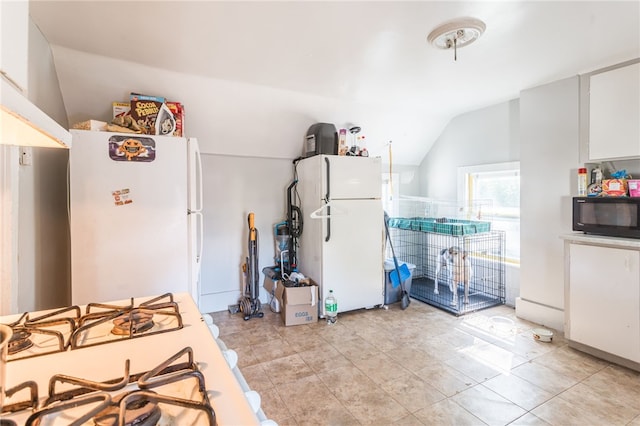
pixel 457 264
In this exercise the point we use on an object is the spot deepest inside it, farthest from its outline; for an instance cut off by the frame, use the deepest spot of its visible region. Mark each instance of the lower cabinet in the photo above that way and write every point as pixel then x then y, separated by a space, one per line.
pixel 603 298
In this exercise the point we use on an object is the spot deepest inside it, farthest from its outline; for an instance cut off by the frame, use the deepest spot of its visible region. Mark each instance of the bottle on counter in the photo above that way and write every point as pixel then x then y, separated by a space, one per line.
pixel 596 175
pixel 331 308
pixel 342 142
pixel 582 182
pixel 595 187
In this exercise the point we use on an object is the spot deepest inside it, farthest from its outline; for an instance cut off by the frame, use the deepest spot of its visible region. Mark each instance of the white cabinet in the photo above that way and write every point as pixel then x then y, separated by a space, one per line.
pixel 603 309
pixel 614 113
pixel 14 41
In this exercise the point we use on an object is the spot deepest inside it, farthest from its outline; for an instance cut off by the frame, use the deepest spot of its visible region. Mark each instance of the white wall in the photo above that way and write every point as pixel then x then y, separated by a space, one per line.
pixel 549 120
pixel 486 136
pixel 409 178
pixel 233 187
pixel 43 242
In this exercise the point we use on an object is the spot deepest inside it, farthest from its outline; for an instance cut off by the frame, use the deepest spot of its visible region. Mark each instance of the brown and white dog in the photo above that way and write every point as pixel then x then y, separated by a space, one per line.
pixel 458 265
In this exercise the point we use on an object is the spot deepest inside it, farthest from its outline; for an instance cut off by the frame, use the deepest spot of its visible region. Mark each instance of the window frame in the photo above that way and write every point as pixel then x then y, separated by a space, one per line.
pixel 464 174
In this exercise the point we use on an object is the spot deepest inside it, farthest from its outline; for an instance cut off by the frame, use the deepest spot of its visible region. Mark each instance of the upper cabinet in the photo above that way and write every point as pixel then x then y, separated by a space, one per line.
pixel 14 49
pixel 613 117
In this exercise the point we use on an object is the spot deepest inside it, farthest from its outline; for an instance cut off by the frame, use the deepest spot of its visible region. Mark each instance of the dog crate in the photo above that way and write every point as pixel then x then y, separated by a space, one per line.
pixel 458 253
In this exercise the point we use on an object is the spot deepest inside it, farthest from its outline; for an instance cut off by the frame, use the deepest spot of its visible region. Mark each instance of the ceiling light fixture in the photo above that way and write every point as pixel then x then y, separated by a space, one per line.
pixel 456 34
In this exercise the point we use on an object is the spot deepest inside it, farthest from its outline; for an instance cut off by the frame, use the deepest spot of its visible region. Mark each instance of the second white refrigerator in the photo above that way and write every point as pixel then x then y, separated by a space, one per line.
pixel 342 241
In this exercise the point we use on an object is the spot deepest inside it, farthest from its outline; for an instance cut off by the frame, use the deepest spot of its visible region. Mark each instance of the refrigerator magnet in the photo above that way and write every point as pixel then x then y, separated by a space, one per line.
pixel 121 197
pixel 132 148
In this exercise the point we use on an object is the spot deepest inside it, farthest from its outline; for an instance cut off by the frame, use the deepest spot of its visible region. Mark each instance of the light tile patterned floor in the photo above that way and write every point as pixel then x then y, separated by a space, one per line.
pixel 422 366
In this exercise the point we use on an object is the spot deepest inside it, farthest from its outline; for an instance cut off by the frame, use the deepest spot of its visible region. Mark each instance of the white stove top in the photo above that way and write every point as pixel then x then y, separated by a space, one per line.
pixel 107 361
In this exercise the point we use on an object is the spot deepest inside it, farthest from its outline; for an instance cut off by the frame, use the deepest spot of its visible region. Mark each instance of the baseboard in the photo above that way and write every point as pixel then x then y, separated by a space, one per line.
pixel 547 316
pixel 216 302
pixel 605 355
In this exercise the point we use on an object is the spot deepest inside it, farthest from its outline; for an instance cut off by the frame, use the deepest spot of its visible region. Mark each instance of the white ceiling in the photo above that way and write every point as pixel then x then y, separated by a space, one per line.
pixel 255 75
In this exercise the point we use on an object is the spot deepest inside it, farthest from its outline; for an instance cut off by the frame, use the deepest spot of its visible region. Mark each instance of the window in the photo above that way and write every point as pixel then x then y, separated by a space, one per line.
pixel 499 185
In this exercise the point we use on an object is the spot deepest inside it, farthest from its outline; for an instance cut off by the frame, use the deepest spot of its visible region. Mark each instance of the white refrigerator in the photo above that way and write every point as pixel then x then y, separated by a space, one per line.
pixel 342 241
pixel 135 216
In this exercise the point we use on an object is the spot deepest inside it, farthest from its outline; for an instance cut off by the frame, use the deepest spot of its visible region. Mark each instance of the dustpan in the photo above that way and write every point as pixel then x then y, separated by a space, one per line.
pixel 405 274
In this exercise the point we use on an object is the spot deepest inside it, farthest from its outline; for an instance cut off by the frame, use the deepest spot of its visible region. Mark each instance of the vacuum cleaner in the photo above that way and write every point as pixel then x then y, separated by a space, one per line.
pixel 249 304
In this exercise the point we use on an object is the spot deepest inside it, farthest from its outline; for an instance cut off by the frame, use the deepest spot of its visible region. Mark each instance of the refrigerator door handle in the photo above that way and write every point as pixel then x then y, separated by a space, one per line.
pixel 326 239
pixel 195 172
pixel 199 180
pixel 200 227
pixel 196 257
pixel 328 199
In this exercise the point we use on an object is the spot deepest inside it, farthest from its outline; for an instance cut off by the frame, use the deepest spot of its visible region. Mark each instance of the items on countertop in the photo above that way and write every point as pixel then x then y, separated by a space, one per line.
pixel 619 184
pixel 143 114
pixel 582 181
pixel 323 138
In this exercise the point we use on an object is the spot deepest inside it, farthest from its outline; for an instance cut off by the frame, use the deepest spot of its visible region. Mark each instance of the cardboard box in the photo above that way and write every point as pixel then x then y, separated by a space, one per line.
pixel 299 305
pixel 94 125
pixel 120 108
pixel 634 187
pixel 271 285
pixel 177 110
pixel 144 113
pixel 614 187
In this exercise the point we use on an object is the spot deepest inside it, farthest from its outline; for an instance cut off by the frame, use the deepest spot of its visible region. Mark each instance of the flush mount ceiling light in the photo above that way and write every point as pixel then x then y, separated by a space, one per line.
pixel 456 34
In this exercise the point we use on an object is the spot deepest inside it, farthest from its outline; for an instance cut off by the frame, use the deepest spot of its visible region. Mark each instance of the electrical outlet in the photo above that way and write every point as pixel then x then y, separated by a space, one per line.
pixel 26 155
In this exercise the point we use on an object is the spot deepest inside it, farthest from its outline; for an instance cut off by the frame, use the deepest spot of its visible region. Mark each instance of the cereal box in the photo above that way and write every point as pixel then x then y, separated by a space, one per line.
pixel 177 110
pixel 139 97
pixel 144 113
pixel 121 108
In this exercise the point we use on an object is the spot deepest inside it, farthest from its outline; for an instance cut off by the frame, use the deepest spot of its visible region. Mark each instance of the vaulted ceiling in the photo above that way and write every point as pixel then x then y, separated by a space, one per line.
pixel 253 76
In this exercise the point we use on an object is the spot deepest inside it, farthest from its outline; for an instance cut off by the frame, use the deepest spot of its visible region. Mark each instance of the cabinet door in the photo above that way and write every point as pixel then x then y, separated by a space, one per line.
pixel 614 112
pixel 14 41
pixel 604 299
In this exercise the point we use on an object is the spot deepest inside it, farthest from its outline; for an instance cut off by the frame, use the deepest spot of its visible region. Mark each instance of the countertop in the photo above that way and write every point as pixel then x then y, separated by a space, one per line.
pixel 580 237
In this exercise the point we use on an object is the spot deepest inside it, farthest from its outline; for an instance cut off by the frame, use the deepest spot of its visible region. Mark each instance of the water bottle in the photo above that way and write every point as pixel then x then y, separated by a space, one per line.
pixel 331 308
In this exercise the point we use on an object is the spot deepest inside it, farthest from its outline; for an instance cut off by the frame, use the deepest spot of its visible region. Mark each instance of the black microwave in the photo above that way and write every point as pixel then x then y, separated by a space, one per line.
pixel 610 216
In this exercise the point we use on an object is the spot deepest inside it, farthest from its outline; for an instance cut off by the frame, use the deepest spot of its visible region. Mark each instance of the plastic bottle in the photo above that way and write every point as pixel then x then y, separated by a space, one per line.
pixel 342 142
pixel 596 175
pixel 331 308
pixel 582 182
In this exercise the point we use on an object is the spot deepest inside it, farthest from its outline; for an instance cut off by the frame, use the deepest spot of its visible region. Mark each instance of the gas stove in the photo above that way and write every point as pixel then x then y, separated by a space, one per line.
pixel 142 362
pixel 71 328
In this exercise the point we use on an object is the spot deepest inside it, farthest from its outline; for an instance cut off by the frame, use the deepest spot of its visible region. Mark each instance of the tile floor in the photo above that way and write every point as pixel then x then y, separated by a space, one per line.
pixel 422 366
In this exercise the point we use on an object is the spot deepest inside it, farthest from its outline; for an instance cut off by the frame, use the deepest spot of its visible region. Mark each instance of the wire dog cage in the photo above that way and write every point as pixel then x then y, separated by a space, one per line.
pixel 459 263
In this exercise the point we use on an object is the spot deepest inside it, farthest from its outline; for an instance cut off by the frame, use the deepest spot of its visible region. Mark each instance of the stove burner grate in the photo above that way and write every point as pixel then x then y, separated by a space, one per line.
pixel 139 410
pixel 137 406
pixel 29 333
pixel 135 322
pixel 158 315
pixel 19 340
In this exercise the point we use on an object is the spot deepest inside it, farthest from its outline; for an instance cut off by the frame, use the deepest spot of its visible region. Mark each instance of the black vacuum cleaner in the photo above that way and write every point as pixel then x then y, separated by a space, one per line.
pixel 249 304
pixel 294 224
